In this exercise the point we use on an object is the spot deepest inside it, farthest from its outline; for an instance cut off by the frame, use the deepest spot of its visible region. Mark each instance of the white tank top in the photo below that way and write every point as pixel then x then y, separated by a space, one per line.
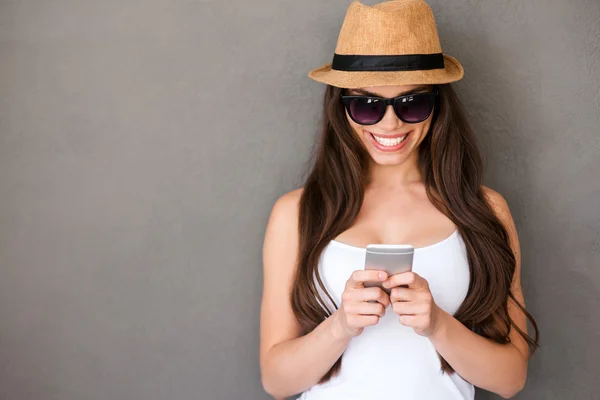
pixel 389 360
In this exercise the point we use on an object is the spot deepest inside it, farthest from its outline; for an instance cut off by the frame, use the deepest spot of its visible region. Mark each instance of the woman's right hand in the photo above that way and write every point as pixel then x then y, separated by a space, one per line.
pixel 356 311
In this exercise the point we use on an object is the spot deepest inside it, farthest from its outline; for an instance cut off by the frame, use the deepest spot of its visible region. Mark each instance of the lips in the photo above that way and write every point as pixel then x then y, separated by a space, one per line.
pixel 389 136
pixel 387 149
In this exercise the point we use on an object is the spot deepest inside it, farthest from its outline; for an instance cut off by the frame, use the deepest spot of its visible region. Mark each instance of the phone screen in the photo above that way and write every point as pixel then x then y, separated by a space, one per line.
pixel 391 260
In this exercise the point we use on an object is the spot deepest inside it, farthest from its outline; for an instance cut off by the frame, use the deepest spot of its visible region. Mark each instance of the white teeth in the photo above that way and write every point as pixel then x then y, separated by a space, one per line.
pixel 389 142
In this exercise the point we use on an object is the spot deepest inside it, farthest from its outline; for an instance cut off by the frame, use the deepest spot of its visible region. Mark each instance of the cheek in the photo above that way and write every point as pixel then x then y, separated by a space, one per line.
pixel 426 125
pixel 358 130
pixel 422 130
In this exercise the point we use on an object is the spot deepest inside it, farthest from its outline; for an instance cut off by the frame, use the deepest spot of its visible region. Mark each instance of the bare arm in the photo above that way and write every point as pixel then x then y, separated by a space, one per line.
pixel 500 368
pixel 290 363
pixel 294 365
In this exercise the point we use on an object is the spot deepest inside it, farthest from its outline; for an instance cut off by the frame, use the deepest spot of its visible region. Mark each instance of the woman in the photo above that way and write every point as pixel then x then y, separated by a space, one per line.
pixel 397 163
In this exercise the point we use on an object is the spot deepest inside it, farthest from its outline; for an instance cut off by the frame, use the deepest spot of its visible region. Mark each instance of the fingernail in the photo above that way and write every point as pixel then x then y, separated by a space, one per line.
pixel 381 275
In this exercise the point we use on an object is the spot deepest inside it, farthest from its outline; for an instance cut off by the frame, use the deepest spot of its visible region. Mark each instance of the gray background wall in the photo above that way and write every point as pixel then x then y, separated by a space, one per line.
pixel 143 143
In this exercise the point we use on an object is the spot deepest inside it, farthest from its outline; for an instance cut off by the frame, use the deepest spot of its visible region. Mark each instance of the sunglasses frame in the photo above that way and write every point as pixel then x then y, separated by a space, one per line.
pixel 390 101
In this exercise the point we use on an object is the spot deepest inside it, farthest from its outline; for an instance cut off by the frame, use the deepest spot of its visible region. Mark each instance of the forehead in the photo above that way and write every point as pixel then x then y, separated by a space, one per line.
pixel 388 91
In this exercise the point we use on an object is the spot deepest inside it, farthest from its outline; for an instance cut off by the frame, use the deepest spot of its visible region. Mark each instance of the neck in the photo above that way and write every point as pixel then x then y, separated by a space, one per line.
pixel 395 176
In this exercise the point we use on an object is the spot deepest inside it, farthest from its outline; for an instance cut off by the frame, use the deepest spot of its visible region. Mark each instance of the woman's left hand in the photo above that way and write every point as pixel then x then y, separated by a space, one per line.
pixel 414 304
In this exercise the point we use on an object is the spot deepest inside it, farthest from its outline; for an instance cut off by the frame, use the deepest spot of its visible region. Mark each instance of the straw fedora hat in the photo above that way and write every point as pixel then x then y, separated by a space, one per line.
pixel 390 43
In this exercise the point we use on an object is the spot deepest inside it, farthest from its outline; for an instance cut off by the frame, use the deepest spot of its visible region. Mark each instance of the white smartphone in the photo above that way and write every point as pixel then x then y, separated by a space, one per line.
pixel 391 258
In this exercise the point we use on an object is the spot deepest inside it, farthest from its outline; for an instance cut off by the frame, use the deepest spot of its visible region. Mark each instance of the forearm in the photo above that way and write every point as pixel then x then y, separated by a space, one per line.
pixel 499 368
pixel 295 365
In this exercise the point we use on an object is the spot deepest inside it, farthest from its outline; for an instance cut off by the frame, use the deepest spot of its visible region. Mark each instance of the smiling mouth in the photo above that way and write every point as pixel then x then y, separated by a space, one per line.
pixel 389 141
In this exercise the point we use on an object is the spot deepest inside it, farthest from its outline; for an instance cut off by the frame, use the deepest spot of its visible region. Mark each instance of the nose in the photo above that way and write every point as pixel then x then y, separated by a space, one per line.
pixel 390 120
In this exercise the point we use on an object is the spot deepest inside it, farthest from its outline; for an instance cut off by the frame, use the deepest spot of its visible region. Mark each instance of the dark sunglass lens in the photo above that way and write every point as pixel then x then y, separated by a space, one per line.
pixel 366 111
pixel 415 108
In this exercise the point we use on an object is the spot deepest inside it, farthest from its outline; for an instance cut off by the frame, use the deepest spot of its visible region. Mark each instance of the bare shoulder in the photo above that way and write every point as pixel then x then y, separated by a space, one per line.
pixel 284 214
pixel 502 211
pixel 289 201
pixel 281 236
pixel 496 201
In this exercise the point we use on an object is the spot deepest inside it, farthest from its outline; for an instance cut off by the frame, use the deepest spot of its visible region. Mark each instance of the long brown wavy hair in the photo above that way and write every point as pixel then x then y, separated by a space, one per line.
pixel 452 170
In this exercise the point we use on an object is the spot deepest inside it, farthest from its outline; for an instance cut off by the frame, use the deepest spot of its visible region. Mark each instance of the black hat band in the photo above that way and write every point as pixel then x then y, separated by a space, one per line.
pixel 404 62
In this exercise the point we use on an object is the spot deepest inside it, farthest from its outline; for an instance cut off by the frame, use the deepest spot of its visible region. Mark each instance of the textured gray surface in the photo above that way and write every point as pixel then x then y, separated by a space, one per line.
pixel 142 145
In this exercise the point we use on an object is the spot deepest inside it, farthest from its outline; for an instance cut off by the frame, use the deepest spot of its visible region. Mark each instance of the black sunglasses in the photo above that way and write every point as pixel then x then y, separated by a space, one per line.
pixel 410 108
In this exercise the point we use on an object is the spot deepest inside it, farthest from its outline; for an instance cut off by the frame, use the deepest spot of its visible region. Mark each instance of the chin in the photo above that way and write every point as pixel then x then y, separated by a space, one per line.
pixel 387 160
